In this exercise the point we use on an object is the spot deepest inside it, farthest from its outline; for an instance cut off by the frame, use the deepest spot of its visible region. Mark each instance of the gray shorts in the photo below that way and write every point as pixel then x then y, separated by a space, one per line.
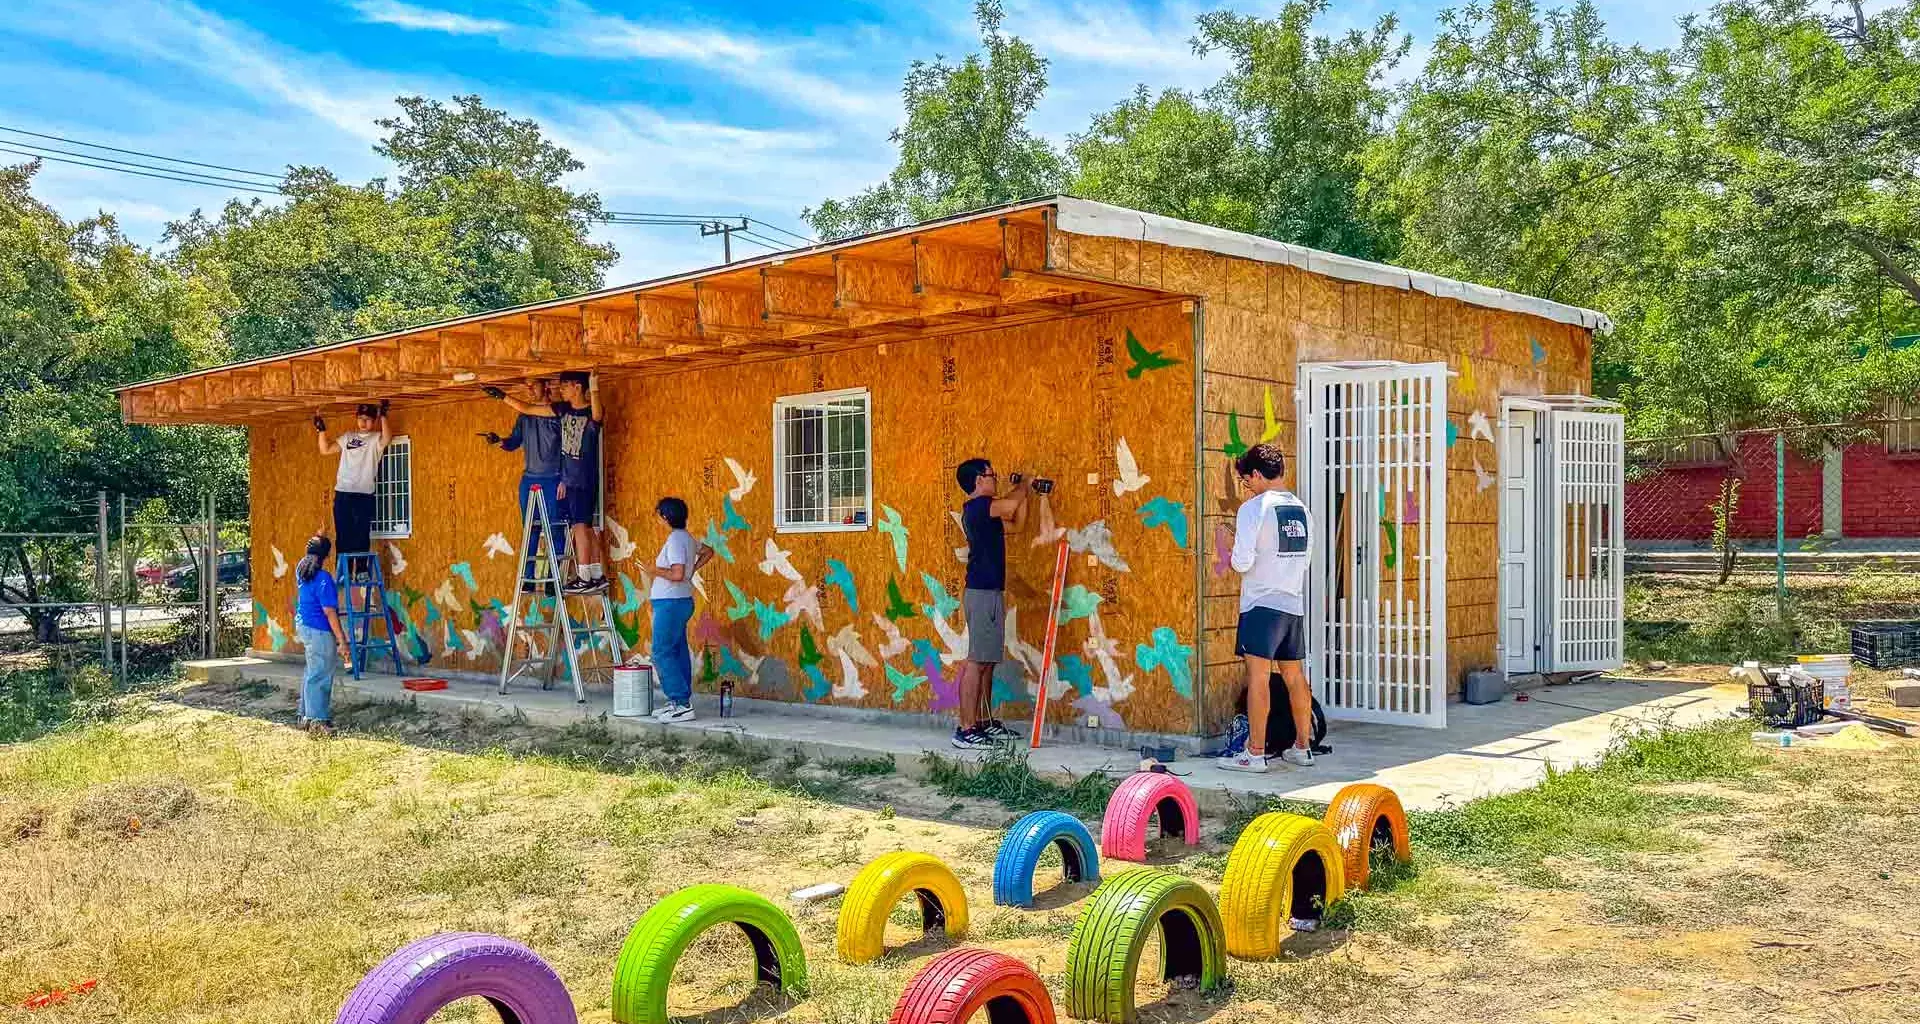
pixel 986 612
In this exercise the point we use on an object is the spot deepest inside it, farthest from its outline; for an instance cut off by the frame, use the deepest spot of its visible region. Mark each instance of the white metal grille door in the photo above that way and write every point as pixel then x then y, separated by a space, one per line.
pixel 1519 541
pixel 1373 471
pixel 1587 571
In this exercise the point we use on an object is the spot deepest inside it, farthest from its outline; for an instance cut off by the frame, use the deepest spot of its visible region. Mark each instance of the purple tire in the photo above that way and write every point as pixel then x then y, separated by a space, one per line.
pixel 413 984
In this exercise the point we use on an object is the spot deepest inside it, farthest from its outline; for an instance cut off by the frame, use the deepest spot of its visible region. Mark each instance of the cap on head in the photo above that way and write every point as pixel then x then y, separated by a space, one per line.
pixel 371 410
pixel 576 377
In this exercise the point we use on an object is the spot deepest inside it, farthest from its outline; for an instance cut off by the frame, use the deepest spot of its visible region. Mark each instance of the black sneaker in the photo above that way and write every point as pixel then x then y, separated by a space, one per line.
pixel 972 739
pixel 994 729
pixel 578 587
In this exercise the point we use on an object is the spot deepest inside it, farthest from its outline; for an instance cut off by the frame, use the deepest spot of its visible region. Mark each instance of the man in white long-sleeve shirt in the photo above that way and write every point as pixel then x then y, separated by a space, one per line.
pixel 1272 549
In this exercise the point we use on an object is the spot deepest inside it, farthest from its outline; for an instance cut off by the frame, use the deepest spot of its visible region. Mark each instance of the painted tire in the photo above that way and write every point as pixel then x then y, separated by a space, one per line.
pixel 861 933
pixel 424 976
pixel 1259 893
pixel 1103 957
pixel 953 986
pixel 1123 829
pixel 645 967
pixel 1020 852
pixel 1364 817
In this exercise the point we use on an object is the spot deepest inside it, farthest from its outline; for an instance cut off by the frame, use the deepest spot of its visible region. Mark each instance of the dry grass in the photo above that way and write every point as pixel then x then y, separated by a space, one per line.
pixel 270 872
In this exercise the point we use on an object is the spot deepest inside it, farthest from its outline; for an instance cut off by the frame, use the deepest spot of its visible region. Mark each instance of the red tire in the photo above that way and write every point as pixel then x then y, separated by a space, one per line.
pixel 1123 829
pixel 953 986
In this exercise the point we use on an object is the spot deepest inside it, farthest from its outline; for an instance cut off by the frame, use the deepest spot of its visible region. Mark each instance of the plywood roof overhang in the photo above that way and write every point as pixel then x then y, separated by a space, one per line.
pixel 970 272
pixel 973 271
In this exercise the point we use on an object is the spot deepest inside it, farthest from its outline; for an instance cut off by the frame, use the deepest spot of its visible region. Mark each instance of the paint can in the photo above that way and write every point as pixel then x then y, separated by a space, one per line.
pixel 632 690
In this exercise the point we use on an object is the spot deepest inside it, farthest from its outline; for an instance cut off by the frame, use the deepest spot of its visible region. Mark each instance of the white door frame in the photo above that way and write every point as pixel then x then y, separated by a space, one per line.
pixel 1577 522
pixel 1373 436
pixel 1517 461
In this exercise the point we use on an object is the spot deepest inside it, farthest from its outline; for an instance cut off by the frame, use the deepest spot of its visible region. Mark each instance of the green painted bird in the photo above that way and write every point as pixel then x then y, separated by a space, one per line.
pixel 1234 448
pixel 898 607
pixel 1145 359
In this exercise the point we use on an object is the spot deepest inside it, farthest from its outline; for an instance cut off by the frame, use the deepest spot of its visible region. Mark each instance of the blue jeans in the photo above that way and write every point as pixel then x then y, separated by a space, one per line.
pixel 550 497
pixel 316 686
pixel 672 661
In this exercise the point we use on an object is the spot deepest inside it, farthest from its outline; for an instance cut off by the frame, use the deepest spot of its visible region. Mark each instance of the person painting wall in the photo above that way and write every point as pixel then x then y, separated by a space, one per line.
pixel 578 416
pixel 985 516
pixel 1272 550
pixel 357 476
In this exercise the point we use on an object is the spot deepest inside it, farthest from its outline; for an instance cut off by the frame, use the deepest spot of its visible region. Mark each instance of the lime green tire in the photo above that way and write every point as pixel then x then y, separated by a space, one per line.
pixel 645 967
pixel 1103 957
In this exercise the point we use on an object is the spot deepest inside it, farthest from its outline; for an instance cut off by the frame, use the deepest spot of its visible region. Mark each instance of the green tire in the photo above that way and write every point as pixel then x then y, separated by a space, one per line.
pixel 1103 957
pixel 654 946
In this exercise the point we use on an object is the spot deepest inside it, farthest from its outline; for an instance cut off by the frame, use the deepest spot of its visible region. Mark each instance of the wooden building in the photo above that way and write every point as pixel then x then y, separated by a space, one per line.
pixel 811 406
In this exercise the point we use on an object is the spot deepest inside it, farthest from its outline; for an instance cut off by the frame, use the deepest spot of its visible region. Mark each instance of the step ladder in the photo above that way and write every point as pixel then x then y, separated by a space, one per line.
pixel 555 639
pixel 363 588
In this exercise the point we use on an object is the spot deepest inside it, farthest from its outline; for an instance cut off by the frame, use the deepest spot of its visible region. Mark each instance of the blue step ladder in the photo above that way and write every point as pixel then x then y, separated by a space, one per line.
pixel 365 603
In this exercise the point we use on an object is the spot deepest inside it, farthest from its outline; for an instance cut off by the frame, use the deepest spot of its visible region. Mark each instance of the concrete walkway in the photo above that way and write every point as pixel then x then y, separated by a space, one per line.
pixel 1489 749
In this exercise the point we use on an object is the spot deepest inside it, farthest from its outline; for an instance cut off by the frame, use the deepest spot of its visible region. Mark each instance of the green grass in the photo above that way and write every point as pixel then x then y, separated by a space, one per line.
pixel 35 702
pixel 1695 619
pixel 861 767
pixel 1005 776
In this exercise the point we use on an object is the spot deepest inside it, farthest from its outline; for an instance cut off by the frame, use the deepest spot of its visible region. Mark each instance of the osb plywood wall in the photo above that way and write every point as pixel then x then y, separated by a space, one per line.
pixel 1261 321
pixel 1102 404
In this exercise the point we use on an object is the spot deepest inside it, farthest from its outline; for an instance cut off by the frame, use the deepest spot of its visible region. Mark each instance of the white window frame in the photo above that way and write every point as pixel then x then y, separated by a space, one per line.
pixel 781 406
pixel 388 488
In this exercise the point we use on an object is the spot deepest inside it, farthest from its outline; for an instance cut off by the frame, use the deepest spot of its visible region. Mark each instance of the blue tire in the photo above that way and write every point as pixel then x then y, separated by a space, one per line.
pixel 1020 852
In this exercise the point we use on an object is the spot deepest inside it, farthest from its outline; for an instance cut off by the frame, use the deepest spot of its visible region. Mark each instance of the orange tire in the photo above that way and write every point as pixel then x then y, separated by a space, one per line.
pixel 1363 818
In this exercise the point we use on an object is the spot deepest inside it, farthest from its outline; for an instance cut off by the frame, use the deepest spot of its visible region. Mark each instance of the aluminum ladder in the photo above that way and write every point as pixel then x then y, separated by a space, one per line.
pixel 556 638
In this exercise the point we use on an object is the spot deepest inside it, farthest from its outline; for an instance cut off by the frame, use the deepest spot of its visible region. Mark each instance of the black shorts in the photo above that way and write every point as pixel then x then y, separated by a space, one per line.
pixel 1266 633
pixel 581 504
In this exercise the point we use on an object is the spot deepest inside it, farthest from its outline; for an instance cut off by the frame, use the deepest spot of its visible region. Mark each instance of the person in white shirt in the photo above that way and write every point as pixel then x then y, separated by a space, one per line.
pixel 1272 552
pixel 671 601
pixel 353 484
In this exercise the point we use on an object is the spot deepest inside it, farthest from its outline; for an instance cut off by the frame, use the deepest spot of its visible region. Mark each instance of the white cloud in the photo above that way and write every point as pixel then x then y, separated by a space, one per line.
pixel 403 15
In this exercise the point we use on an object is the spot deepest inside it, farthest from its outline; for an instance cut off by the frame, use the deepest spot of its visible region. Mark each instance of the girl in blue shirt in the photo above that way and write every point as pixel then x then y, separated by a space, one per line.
pixel 316 618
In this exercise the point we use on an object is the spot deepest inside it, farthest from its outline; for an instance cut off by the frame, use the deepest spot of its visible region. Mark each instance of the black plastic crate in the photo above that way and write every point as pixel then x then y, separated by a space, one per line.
pixel 1785 705
pixel 1886 644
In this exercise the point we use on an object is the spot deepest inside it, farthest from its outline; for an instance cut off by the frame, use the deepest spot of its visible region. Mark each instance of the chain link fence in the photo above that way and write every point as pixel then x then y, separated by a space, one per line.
pixel 1762 544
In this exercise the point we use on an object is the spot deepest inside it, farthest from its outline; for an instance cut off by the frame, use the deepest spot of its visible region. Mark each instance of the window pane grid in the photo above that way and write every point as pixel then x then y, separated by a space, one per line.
pixel 393 491
pixel 823 461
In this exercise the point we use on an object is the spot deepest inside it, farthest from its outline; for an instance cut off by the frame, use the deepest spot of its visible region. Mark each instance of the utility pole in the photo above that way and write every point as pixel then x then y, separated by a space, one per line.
pixel 725 230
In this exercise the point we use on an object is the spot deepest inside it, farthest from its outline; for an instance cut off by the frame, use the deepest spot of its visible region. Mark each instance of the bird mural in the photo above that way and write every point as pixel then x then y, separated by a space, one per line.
pixel 1222 549
pixel 730 518
pixel 1539 352
pixel 1130 478
pixel 718 542
pixel 463 571
pixel 741 607
pixel 1096 539
pixel 396 561
pixel 1235 447
pixel 896 643
pixel 898 607
pixel 1160 511
pixel 280 561
pixel 1105 652
pixel 1145 359
pixel 896 531
pixel 1478 426
pixel 769 619
pixel 1077 602
pixel 779 562
pixel 802 600
pixel 1481 478
pixel 620 545
pixel 1269 423
pixel 903 683
pixel 944 604
pixel 1169 655
pixel 853 655
pixel 841 578
pixel 1467 383
pixel 743 479
pixel 496 544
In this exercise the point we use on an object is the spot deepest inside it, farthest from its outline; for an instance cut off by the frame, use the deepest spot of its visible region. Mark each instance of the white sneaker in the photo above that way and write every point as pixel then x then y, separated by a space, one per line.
pixel 1297 756
pixel 677 713
pixel 660 713
pixel 1243 762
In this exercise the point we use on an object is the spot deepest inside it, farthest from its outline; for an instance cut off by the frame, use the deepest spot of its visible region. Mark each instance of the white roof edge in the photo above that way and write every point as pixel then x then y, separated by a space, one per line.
pixel 1086 217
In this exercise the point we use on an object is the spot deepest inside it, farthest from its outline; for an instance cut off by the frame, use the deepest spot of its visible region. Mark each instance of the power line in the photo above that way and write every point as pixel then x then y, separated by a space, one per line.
pixel 274 185
pixel 143 174
pixel 135 152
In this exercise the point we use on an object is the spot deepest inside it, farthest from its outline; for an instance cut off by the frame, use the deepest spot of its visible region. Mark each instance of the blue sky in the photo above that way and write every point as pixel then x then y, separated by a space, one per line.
pixel 726 107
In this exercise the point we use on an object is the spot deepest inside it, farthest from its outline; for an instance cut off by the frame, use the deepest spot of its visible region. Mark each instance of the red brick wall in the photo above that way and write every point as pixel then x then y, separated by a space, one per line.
pixel 1676 503
pixel 1881 493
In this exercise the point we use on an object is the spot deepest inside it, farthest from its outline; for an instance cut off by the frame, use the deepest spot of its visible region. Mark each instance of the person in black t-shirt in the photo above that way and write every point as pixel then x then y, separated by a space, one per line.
pixel 579 416
pixel 985 517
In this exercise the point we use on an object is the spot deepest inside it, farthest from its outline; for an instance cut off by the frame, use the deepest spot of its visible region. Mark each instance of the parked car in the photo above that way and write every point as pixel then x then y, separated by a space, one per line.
pixel 235 568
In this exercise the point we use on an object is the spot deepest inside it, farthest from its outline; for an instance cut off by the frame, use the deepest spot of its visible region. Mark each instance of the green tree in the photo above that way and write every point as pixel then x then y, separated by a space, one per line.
pixel 81 311
pixel 1174 155
pixel 480 220
pixel 965 143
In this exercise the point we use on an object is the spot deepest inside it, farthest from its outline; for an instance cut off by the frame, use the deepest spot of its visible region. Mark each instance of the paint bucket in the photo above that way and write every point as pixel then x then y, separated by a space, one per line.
pixel 633 690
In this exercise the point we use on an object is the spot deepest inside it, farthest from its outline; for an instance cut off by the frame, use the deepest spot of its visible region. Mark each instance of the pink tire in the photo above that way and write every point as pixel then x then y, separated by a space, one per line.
pixel 1123 829
pixel 420 979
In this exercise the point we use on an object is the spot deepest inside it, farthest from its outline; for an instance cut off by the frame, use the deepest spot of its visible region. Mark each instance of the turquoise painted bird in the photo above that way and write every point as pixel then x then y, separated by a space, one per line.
pixel 769 619
pixel 817 686
pixel 718 542
pixel 741 607
pixel 896 531
pixel 903 682
pixel 838 575
pixel 730 518
pixel 1159 511
pixel 1077 602
pixel 1539 353
pixel 464 570
pixel 1170 654
pixel 1075 672
pixel 1145 359
pixel 944 604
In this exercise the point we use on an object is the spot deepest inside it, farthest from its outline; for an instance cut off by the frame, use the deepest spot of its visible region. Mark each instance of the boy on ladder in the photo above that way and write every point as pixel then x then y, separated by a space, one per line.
pixel 539 438
pixel 579 416
pixel 354 482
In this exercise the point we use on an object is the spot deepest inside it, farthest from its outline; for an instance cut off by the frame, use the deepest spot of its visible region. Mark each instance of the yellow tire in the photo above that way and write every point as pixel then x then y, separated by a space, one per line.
pixel 1283 866
pixel 1363 818
pixel 861 935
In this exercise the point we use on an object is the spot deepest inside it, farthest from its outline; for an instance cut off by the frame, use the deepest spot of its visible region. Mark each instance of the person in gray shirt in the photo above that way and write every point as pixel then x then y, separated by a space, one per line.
pixel 538 439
